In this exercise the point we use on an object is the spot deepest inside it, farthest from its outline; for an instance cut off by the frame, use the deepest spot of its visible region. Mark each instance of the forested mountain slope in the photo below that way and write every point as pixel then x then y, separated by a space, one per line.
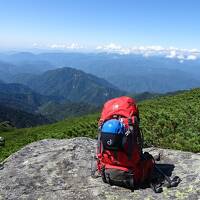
pixel 73 85
pixel 20 118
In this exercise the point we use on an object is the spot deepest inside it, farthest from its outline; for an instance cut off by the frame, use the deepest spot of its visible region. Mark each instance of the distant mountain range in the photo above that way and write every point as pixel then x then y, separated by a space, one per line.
pixel 8 69
pixel 132 73
pixel 159 81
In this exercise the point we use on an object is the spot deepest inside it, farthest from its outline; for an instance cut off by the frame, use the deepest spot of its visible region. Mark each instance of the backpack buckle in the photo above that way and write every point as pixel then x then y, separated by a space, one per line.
pixel 127 133
pixel 130 130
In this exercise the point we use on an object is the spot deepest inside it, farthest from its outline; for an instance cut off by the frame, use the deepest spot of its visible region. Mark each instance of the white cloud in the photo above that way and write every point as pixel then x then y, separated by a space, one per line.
pixel 170 52
pixel 109 47
pixel 57 46
pixel 194 51
pixel 113 48
pixel 183 54
pixel 155 48
pixel 35 44
pixel 191 57
pixel 181 57
pixel 72 46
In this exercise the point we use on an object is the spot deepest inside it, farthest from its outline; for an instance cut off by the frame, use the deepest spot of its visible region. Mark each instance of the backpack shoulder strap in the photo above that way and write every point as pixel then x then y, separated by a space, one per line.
pixel 99 142
pixel 130 135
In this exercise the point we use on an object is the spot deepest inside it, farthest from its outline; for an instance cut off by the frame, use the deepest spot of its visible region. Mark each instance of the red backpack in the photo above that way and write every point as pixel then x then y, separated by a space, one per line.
pixel 123 164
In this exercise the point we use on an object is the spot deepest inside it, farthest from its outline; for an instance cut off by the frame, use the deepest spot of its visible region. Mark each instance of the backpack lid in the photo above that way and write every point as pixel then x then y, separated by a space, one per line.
pixel 122 106
pixel 113 126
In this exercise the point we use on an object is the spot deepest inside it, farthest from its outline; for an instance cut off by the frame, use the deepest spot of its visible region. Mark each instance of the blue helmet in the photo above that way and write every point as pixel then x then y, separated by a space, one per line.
pixel 113 126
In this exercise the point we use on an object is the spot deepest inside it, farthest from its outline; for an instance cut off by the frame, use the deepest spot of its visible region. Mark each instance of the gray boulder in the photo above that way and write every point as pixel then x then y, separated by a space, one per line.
pixel 60 169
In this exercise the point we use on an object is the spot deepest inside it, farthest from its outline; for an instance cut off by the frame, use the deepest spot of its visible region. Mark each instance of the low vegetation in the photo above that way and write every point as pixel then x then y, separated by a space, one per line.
pixel 167 122
pixel 172 121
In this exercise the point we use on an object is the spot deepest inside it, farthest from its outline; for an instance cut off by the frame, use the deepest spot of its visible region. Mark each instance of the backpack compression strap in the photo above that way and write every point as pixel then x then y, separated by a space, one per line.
pixel 130 135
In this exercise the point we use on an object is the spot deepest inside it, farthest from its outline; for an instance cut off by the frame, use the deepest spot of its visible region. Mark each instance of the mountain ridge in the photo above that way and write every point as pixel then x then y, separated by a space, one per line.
pixel 74 85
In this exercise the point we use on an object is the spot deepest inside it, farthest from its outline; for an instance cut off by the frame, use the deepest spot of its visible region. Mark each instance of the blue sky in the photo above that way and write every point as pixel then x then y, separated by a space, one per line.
pixel 97 22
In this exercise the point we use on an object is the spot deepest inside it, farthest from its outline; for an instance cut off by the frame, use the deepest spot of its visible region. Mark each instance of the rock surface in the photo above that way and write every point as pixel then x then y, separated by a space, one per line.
pixel 60 169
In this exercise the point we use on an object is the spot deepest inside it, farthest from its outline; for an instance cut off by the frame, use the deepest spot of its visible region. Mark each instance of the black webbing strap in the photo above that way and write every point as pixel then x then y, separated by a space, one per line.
pixel 115 155
pixel 130 137
pixel 130 145
pixel 99 143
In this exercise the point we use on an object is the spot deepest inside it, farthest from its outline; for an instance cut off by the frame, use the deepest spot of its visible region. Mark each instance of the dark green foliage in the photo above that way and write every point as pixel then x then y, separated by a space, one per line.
pixel 6 126
pixel 20 97
pixel 173 122
pixel 60 111
pixel 20 118
pixel 19 105
pixel 145 95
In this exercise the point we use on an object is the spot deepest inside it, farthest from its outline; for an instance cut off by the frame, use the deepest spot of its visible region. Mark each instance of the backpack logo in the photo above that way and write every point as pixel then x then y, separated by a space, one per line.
pixel 115 107
pixel 109 142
